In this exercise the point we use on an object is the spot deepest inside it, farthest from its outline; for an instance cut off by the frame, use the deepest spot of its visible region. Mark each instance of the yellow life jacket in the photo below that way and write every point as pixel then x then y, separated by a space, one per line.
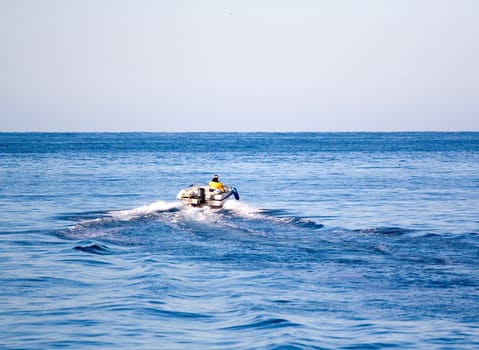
pixel 216 185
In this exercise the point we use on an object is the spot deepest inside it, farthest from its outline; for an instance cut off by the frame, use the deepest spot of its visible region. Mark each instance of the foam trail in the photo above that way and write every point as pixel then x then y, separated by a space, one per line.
pixel 246 211
pixel 204 214
pixel 145 210
pixel 243 209
pixel 128 214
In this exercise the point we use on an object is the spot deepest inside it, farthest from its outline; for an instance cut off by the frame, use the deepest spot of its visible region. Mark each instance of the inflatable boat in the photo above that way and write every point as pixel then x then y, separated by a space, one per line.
pixel 199 196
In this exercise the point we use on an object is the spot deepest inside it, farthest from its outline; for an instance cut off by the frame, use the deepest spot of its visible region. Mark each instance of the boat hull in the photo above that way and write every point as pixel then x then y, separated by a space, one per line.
pixel 200 196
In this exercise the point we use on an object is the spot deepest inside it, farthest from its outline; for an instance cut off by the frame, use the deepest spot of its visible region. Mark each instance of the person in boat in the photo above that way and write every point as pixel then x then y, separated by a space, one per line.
pixel 216 184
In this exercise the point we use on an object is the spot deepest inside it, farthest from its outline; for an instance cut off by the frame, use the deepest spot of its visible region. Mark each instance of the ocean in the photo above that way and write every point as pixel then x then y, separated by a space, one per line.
pixel 339 241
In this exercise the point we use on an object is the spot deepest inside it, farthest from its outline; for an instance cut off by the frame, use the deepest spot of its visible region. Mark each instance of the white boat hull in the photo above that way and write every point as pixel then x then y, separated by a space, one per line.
pixel 199 196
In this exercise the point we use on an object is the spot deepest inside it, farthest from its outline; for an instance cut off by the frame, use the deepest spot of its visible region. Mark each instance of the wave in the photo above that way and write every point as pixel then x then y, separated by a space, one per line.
pixel 267 323
pixel 278 215
pixel 144 224
pixel 391 231
pixel 175 211
pixel 99 217
pixel 172 216
pixel 94 248
pixel 144 211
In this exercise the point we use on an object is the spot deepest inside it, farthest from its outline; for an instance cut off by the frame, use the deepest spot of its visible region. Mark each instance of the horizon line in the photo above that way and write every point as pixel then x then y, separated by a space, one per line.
pixel 232 132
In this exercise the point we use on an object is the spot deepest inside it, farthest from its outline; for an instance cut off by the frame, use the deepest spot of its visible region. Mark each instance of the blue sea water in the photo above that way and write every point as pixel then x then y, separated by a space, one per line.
pixel 339 241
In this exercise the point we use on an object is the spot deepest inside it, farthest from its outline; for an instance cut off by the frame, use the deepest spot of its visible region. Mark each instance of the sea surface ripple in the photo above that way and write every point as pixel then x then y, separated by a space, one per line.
pixel 339 241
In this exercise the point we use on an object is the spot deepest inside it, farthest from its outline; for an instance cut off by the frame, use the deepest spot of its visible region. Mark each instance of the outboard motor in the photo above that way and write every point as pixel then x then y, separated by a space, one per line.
pixel 236 193
pixel 201 195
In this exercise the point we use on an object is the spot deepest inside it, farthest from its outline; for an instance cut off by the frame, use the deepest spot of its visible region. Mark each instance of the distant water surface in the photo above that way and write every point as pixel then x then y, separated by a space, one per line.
pixel 339 241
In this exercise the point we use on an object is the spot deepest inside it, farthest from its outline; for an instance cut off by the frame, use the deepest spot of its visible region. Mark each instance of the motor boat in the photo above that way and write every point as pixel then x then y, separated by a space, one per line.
pixel 199 196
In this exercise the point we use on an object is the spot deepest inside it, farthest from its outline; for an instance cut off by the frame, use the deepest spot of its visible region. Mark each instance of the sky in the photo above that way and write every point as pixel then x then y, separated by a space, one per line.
pixel 262 65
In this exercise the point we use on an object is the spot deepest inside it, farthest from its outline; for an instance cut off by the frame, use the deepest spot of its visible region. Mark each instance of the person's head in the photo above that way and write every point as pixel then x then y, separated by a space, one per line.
pixel 215 178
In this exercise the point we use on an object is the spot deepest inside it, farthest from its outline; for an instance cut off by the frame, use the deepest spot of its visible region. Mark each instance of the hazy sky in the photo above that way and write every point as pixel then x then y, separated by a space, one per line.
pixel 263 65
